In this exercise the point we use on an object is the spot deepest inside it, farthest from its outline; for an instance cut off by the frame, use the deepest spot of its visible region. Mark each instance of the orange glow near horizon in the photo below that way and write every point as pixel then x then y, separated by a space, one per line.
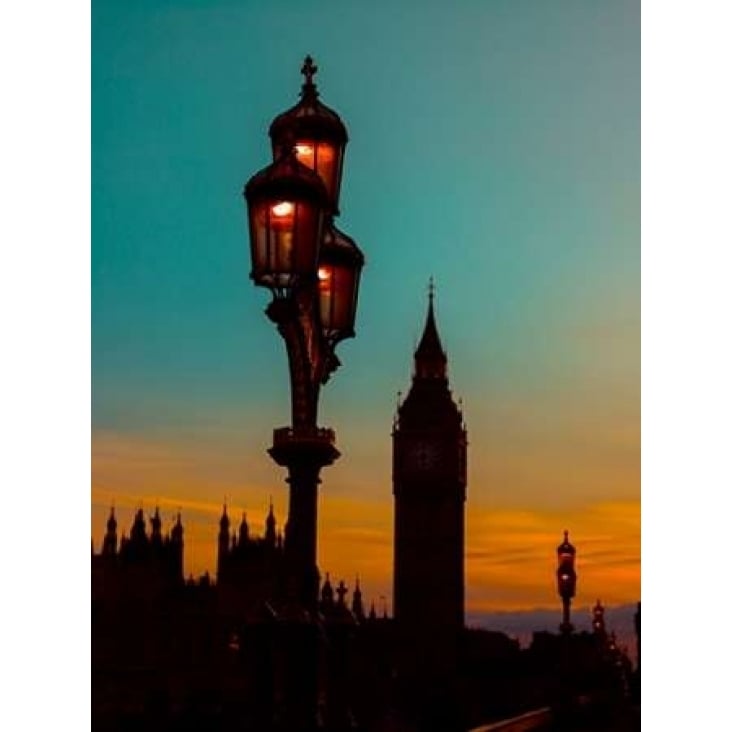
pixel 510 552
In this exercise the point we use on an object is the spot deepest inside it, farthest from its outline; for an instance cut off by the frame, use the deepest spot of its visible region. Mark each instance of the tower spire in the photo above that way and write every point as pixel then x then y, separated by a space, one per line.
pixel 270 531
pixel 109 546
pixel 357 601
pixel 430 359
pixel 224 542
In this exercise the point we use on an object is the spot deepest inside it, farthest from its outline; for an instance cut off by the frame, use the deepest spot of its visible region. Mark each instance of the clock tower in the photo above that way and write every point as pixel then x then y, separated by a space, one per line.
pixel 429 476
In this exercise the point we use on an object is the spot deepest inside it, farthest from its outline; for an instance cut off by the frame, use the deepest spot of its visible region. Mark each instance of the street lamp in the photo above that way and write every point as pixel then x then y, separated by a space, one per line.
pixel 313 272
pixel 598 620
pixel 566 580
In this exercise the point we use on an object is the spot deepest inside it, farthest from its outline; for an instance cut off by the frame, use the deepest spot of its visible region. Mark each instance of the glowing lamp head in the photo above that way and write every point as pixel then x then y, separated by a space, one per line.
pixel 286 203
pixel 566 576
pixel 319 134
pixel 339 272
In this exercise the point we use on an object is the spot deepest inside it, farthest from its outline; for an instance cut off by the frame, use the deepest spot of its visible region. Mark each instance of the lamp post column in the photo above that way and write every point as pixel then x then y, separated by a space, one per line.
pixel 566 585
pixel 304 448
pixel 566 581
pixel 303 451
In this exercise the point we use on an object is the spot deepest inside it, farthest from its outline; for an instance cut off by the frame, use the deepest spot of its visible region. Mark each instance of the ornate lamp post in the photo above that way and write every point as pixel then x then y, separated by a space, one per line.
pixel 313 271
pixel 566 580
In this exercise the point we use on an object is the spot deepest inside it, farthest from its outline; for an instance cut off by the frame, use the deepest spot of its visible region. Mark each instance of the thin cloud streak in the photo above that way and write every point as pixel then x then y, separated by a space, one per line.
pixel 510 550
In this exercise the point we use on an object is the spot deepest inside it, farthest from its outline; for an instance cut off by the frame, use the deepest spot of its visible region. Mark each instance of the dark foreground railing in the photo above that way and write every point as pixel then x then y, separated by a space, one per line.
pixel 536 720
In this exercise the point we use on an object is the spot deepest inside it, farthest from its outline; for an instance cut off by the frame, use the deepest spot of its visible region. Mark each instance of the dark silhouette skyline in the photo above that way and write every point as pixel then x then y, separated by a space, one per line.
pixel 475 170
pixel 242 648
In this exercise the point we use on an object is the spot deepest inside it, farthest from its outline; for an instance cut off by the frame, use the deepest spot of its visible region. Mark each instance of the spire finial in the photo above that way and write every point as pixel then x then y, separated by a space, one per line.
pixel 430 358
pixel 341 591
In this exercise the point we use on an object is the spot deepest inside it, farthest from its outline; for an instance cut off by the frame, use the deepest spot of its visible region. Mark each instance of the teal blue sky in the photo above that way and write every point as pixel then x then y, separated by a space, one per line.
pixel 494 145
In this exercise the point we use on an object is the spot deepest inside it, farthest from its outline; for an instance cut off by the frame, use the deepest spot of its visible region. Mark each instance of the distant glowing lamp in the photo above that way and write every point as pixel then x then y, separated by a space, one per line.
pixel 566 576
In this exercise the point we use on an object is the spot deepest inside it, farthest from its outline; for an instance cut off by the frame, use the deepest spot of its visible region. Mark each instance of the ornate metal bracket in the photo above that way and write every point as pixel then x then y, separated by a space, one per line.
pixel 311 357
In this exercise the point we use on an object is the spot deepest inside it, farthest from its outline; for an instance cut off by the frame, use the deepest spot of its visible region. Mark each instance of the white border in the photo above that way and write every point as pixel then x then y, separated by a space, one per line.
pixel 44 539
pixel 686 361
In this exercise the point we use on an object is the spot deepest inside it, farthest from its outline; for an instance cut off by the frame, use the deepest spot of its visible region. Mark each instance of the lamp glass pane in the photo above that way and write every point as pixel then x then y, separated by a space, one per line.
pixel 324 159
pixel 336 284
pixel 258 237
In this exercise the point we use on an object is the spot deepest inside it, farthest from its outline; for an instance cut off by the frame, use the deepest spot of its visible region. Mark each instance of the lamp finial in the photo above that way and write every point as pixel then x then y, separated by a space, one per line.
pixel 308 70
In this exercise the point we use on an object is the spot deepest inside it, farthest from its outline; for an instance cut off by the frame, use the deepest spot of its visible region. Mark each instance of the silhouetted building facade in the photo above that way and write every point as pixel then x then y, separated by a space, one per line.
pixel 250 569
pixel 429 483
pixel 146 564
pixel 175 655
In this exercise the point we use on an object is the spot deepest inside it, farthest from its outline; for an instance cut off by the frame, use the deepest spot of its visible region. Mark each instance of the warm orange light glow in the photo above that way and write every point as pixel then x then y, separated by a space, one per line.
pixel 326 153
pixel 323 274
pixel 285 208
pixel 305 152
pixel 318 156
pixel 510 559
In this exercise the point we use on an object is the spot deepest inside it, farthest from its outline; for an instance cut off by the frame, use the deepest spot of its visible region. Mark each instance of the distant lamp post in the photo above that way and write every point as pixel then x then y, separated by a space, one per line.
pixel 566 580
pixel 313 271
pixel 598 620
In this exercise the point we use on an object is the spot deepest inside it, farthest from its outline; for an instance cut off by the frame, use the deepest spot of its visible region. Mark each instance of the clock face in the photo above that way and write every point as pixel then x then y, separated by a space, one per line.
pixel 423 456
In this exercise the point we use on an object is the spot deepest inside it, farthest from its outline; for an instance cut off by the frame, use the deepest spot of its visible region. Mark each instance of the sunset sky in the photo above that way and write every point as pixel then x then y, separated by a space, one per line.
pixel 494 145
